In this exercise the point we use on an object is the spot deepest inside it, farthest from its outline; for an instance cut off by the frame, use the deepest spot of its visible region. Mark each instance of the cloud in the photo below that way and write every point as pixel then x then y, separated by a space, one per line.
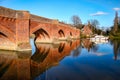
pixel 116 9
pixel 99 13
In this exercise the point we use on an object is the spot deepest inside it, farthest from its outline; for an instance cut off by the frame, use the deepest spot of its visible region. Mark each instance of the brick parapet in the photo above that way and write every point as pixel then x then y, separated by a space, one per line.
pixel 22 14
pixel 10 13
pixel 6 12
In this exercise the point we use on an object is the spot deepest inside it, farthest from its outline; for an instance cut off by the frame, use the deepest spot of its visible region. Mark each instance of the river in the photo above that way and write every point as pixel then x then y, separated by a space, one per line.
pixel 71 60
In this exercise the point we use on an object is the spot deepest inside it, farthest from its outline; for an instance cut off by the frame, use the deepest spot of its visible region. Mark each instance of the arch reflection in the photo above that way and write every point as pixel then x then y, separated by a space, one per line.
pixel 55 53
pixel 25 66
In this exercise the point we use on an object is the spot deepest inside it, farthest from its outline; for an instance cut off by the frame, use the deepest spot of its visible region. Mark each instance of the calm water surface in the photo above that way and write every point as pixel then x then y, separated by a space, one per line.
pixel 75 60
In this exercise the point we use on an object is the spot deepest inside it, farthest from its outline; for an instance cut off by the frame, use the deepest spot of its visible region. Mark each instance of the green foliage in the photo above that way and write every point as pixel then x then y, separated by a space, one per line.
pixel 115 29
pixel 114 36
pixel 84 36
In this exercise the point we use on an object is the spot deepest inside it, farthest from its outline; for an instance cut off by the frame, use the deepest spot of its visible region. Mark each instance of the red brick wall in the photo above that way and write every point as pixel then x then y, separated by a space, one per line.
pixel 87 31
pixel 19 25
pixel 22 28
pixel 53 30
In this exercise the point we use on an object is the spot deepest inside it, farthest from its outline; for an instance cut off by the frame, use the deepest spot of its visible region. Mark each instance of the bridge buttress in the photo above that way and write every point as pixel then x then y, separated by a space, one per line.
pixel 22 31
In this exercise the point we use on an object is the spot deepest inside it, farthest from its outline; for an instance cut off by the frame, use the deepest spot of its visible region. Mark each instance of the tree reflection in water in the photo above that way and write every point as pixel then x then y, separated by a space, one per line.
pixel 90 46
pixel 116 48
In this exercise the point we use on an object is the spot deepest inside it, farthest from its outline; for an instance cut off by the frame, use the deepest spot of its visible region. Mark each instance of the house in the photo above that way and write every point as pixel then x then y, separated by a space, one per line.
pixel 87 31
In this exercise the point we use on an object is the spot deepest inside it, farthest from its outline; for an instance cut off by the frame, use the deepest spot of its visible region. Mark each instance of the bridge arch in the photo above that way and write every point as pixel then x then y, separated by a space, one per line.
pixel 1 34
pixel 61 33
pixel 6 33
pixel 61 47
pixel 41 33
pixel 5 41
pixel 70 33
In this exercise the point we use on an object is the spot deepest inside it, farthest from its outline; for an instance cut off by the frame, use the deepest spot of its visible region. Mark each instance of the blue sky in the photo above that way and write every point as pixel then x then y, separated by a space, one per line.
pixel 63 10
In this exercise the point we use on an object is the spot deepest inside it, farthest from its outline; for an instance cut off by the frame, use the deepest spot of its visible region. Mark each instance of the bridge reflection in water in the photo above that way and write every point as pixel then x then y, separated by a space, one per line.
pixel 27 66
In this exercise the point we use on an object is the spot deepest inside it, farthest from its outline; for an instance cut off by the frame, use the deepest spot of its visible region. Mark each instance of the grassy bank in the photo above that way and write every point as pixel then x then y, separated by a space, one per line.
pixel 114 36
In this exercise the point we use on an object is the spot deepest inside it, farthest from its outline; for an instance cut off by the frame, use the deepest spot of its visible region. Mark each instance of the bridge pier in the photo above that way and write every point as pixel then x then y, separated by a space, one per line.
pixel 14 29
pixel 22 31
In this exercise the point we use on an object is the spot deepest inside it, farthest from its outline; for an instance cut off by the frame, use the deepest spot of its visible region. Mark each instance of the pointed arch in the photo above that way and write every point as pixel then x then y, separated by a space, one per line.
pixel 7 33
pixel 40 54
pixel 61 47
pixel 70 33
pixel 41 32
pixel 61 33
pixel 1 34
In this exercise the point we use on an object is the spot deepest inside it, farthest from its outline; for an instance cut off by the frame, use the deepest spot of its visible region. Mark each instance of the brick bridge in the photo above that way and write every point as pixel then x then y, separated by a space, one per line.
pixel 17 26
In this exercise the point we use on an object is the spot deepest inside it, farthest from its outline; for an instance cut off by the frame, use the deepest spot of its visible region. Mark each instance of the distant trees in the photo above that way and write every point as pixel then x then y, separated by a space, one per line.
pixel 95 26
pixel 107 31
pixel 119 20
pixel 95 23
pixel 76 21
pixel 115 27
pixel 92 23
pixel 118 24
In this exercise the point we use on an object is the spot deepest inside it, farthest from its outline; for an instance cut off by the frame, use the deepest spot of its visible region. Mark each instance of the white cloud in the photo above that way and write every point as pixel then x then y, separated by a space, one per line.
pixel 99 13
pixel 116 9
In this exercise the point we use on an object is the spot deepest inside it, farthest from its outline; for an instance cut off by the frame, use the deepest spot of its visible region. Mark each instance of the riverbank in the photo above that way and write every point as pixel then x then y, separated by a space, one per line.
pixel 114 37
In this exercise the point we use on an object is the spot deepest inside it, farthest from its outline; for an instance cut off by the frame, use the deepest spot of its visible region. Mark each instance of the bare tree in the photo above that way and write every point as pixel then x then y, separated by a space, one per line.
pixel 76 21
pixel 94 23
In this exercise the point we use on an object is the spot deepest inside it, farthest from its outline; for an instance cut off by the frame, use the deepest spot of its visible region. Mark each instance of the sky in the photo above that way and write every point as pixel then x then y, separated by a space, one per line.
pixel 63 10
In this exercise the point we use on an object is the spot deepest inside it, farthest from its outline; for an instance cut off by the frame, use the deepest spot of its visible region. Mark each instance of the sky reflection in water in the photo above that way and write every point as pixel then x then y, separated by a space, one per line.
pixel 76 60
pixel 96 63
